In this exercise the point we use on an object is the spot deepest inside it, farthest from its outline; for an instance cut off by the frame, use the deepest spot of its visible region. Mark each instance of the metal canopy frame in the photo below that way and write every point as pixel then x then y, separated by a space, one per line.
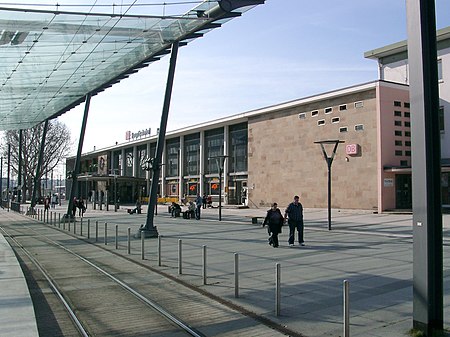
pixel 52 59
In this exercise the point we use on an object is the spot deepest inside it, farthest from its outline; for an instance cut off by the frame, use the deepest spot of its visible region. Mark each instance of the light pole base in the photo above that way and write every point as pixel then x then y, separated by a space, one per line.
pixel 146 232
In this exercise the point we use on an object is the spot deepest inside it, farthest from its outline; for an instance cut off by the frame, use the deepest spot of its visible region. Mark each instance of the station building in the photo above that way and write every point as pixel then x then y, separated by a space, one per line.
pixel 272 153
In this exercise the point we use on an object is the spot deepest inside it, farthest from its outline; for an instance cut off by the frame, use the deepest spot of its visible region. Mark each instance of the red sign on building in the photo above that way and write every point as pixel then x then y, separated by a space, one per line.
pixel 352 149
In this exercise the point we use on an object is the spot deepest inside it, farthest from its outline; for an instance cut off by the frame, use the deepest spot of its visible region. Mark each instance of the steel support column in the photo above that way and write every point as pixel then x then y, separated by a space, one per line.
pixel 148 229
pixel 39 168
pixel 76 170
pixel 19 178
pixel 426 168
pixel 8 177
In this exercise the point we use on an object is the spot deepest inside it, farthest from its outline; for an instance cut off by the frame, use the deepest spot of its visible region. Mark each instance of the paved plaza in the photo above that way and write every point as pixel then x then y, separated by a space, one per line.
pixel 373 252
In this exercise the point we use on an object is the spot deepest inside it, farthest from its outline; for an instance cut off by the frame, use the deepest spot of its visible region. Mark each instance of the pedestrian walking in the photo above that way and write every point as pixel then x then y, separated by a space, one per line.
pixel 294 214
pixel 198 204
pixel 204 201
pixel 274 221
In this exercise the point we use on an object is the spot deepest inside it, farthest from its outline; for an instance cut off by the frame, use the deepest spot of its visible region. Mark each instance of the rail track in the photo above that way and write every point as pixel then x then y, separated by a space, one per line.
pixel 81 289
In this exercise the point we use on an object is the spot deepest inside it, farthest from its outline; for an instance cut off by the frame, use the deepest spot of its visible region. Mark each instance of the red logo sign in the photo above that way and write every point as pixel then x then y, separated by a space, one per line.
pixel 352 149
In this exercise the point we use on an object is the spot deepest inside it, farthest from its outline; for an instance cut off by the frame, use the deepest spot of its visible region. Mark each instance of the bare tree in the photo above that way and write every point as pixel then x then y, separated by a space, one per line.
pixel 57 147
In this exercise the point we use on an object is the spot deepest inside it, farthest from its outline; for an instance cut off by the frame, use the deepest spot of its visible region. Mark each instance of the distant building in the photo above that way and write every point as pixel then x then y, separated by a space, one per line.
pixel 272 155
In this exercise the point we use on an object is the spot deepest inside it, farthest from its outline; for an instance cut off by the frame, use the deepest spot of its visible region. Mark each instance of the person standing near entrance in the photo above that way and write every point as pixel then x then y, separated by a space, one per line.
pixel 198 206
pixel 294 214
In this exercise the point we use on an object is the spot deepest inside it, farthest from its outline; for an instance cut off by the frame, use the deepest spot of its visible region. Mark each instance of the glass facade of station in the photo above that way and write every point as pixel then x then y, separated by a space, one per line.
pixel 188 168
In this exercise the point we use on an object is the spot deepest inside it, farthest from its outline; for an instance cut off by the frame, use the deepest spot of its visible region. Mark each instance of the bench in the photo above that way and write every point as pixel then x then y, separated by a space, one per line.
pixel 255 219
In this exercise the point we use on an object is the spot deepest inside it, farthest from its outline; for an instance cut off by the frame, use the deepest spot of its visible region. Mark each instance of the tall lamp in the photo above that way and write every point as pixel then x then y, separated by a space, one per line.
pixel 220 161
pixel 329 160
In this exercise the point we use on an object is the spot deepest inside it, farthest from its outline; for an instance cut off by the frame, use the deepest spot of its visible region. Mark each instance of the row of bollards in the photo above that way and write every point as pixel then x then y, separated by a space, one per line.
pixel 50 218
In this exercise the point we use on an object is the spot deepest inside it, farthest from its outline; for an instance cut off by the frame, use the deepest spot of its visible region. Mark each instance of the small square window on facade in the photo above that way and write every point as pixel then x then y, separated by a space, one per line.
pixel 407 133
pixel 335 120
pixel 397 113
pixel 408 153
pixel 321 122
pixel 342 107
pixel 397 103
pixel 328 110
pixel 407 114
pixel 343 129
pixel 406 104
pixel 314 113
pixel 398 123
pixel 408 143
pixel 397 133
pixel 302 115
pixel 398 143
pixel 359 127
pixel 359 104
pixel 408 124
pixel 398 153
pixel 403 163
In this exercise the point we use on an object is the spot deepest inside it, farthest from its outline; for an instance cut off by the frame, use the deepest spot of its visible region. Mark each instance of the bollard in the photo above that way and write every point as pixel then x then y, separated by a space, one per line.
pixel 142 246
pixel 81 227
pixel 180 257
pixel 69 223
pixel 346 310
pixel 204 263
pixel 89 229
pixel 159 250
pixel 59 220
pixel 129 241
pixel 74 226
pixel 51 218
pixel 64 223
pixel 96 231
pixel 277 289
pixel 117 236
pixel 236 275
pixel 106 233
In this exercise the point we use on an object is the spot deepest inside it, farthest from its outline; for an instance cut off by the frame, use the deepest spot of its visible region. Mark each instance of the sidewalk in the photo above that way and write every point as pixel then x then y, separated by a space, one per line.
pixel 17 317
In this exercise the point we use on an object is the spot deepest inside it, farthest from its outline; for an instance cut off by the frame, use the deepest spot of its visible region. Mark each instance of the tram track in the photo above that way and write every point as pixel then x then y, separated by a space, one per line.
pixel 98 294
pixel 60 286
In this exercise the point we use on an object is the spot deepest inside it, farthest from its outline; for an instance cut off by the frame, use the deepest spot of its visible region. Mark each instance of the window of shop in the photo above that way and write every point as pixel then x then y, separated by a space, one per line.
pixel 214 188
pixel 192 188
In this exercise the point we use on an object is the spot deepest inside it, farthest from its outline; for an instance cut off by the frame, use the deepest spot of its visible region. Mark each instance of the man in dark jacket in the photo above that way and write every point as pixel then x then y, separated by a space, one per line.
pixel 294 212
pixel 274 220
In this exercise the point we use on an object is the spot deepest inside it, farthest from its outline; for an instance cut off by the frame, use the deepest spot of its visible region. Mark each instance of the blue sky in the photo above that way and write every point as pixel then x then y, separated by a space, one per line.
pixel 280 51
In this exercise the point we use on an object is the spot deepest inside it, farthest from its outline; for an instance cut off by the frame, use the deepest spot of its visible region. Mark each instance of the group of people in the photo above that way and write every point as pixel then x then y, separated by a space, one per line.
pixel 78 204
pixel 275 220
pixel 50 201
pixel 194 209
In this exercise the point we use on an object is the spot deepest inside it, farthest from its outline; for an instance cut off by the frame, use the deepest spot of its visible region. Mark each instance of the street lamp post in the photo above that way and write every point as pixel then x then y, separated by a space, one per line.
pixel 329 160
pixel 220 161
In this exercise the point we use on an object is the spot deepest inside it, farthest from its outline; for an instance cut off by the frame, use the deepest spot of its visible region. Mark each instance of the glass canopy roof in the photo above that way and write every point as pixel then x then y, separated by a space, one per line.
pixel 51 60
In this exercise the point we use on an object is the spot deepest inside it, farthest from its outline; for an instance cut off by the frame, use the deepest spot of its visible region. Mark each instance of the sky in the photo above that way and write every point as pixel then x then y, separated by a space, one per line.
pixel 277 52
